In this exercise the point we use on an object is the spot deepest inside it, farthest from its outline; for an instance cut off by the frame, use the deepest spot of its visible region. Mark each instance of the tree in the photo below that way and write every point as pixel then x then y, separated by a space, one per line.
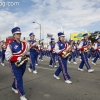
pixel 93 36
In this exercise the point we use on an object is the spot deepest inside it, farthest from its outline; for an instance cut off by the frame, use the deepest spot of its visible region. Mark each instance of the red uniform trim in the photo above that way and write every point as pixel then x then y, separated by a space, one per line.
pixel 24 47
pixel 66 46
pixel 13 58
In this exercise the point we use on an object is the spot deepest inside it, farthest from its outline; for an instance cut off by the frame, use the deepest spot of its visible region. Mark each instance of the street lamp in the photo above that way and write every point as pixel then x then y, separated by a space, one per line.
pixel 42 33
pixel 40 28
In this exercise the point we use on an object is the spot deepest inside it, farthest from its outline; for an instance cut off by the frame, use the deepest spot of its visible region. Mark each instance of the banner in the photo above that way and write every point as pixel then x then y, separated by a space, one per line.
pixel 49 35
pixel 77 36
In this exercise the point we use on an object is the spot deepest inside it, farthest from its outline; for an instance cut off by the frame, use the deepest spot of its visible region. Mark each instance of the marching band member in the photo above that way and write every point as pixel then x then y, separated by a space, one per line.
pixel 48 52
pixel 41 51
pixel 52 53
pixel 45 51
pixel 37 53
pixel 3 49
pixel 36 60
pixel 83 46
pixel 14 53
pixel 91 49
pixel 97 48
pixel 60 48
pixel 72 55
pixel 33 53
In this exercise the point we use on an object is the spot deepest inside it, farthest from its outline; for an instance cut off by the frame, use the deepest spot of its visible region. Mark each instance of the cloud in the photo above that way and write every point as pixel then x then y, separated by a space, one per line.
pixel 72 15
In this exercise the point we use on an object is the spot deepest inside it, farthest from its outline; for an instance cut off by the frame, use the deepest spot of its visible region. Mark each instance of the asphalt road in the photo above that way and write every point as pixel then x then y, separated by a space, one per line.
pixel 43 86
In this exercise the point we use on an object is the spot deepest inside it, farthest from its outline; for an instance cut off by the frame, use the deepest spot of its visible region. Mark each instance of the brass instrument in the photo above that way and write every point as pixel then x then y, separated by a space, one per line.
pixel 67 53
pixel 23 60
pixel 87 49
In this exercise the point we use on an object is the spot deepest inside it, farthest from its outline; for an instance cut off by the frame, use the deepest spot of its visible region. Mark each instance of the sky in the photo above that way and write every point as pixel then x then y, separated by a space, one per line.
pixel 54 16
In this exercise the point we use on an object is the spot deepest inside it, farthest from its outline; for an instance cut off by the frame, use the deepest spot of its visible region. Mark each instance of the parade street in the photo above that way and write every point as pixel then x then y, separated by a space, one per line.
pixel 43 86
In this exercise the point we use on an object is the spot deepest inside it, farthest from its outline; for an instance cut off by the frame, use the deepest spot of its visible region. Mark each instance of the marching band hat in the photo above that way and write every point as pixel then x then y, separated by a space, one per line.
pixel 52 39
pixel 60 34
pixel 86 34
pixel 31 34
pixel 16 29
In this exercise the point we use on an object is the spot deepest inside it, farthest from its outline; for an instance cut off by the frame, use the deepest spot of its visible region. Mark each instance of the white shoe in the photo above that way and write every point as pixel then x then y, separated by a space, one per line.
pixel 41 60
pixel 23 98
pixel 91 70
pixel 35 72
pixel 55 66
pixel 69 62
pixel 68 81
pixel 80 69
pixel 93 63
pixel 56 61
pixel 14 90
pixel 36 64
pixel 74 62
pixel 80 59
pixel 29 69
pixel 2 64
pixel 56 77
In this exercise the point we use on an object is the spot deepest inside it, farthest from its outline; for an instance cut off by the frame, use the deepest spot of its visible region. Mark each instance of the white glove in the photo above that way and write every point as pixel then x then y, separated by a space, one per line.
pixel 64 52
pixel 19 59
pixel 34 44
pixel 85 48
pixel 73 50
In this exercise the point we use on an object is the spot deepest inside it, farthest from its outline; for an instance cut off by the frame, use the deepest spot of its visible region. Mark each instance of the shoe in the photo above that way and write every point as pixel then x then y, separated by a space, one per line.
pixel 91 70
pixel 35 72
pixel 74 62
pixel 29 69
pixel 2 64
pixel 80 69
pixel 69 62
pixel 23 98
pixel 36 64
pixel 55 66
pixel 41 60
pixel 14 90
pixel 68 81
pixel 56 77
pixel 80 59
pixel 56 61
pixel 93 63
